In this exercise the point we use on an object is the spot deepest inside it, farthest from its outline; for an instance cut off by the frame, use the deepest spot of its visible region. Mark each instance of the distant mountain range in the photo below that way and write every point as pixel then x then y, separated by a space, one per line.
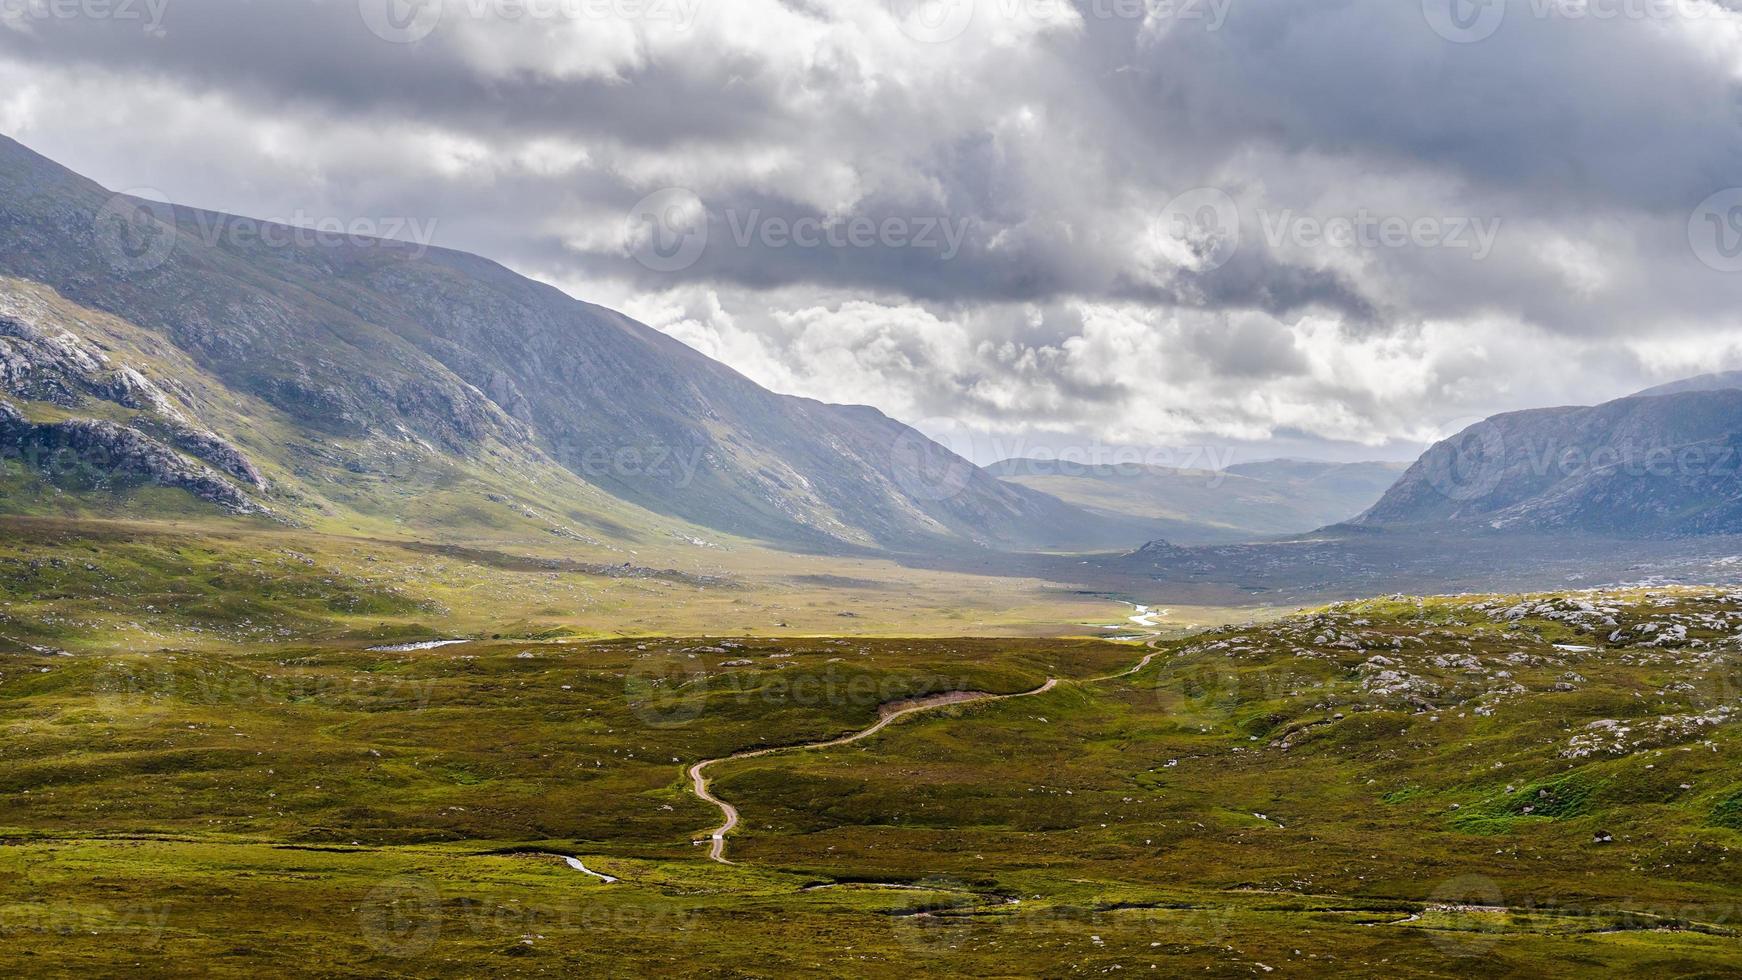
pixel 1666 462
pixel 1195 506
pixel 368 380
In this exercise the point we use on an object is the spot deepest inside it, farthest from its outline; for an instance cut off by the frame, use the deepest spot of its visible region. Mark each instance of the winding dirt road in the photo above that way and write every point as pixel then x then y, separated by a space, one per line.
pixel 698 772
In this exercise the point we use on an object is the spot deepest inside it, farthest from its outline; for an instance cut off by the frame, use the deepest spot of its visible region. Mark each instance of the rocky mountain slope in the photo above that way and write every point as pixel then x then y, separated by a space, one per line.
pixel 1190 506
pixel 372 358
pixel 1662 463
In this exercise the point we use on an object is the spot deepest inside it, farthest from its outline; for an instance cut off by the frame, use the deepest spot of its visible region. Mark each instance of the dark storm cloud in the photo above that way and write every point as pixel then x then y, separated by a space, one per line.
pixel 274 52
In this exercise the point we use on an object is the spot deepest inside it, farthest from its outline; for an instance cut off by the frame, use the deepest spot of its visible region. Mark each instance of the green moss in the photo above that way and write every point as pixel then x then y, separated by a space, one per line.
pixel 1727 812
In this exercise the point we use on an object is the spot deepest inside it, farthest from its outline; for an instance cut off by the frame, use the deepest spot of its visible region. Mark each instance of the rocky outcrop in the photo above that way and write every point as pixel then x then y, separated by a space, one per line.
pixel 1160 550
pixel 45 364
pixel 97 454
pixel 208 447
pixel 41 360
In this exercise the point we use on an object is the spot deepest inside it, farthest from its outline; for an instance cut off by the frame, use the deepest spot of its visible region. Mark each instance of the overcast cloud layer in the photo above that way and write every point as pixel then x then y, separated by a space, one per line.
pixel 1333 228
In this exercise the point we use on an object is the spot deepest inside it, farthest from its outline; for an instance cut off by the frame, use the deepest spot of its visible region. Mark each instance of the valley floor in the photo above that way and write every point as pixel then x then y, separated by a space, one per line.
pixel 1480 786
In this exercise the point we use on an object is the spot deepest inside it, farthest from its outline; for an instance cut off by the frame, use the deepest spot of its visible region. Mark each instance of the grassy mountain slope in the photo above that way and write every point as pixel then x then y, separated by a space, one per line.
pixel 436 358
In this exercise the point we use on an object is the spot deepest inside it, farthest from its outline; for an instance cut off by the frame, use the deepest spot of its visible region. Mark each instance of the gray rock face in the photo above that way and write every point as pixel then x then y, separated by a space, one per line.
pixel 99 454
pixel 41 360
pixel 227 458
pixel 48 365
pixel 1653 465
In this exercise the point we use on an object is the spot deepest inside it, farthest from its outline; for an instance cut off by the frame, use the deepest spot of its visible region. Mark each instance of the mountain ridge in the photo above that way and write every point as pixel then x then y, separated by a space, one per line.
pixel 1195 506
pixel 387 347
pixel 1659 463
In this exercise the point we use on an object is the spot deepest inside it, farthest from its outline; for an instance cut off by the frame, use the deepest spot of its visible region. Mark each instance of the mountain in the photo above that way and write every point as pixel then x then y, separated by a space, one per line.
pixel 1359 481
pixel 1705 382
pixel 1661 463
pixel 266 369
pixel 1190 506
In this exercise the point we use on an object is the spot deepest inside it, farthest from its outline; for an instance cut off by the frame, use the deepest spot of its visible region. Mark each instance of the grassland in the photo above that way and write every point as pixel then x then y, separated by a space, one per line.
pixel 1479 786
pixel 82 584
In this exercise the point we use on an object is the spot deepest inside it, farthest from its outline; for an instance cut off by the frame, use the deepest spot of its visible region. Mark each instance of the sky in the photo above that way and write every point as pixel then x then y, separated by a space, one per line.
pixel 1186 232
